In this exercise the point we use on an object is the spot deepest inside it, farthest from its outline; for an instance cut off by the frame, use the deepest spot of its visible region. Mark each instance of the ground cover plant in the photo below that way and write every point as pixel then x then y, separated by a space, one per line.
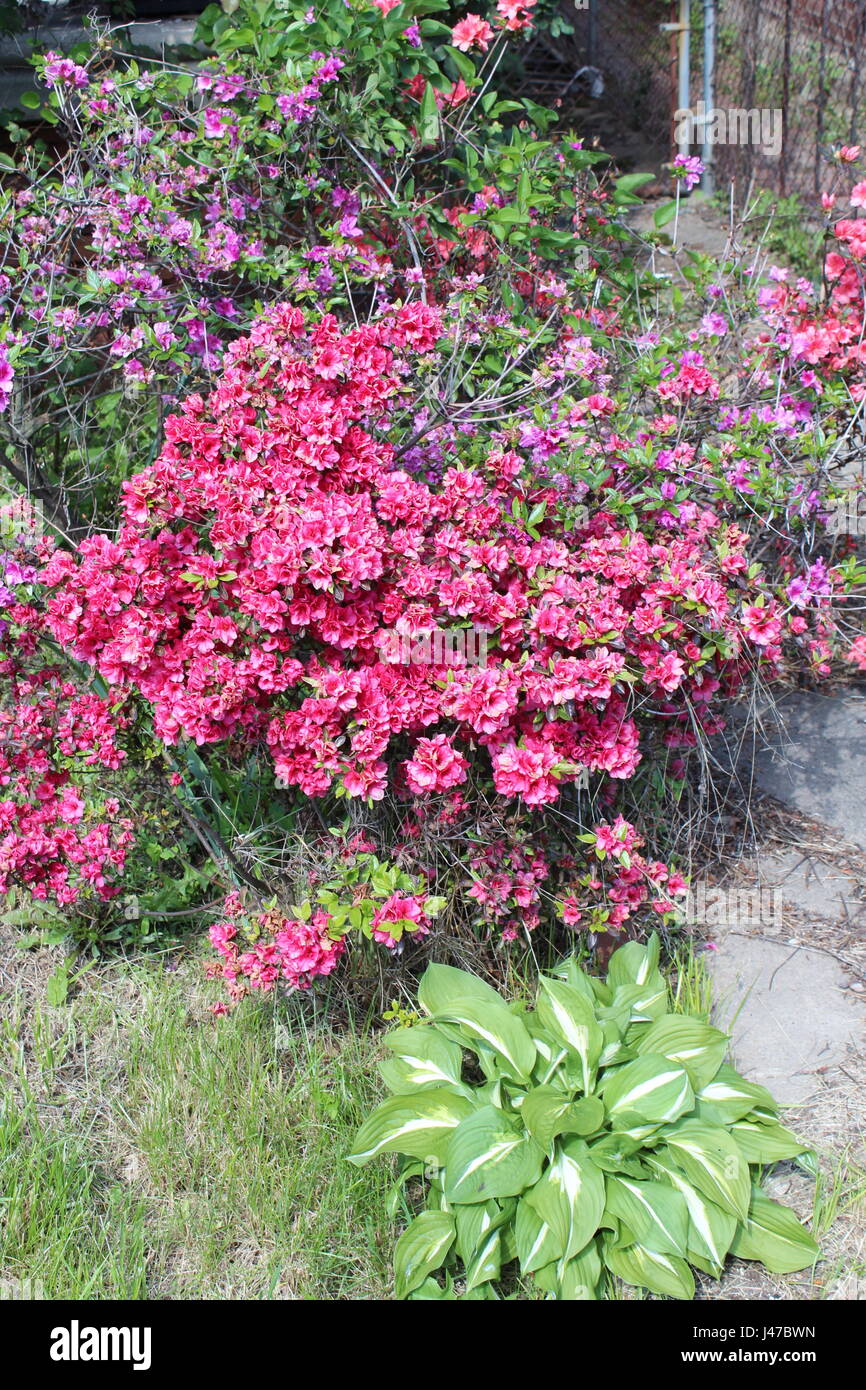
pixel 602 1136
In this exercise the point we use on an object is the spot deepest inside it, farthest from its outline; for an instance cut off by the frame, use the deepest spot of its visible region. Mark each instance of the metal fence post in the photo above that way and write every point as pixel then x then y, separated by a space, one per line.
pixel 708 181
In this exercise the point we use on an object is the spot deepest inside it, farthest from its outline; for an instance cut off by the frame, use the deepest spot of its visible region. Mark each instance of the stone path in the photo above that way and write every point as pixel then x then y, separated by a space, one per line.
pixel 786 937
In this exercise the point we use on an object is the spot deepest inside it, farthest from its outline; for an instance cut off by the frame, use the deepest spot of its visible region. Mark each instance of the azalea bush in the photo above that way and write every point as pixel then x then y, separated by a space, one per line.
pixel 594 1135
pixel 369 359
pixel 163 203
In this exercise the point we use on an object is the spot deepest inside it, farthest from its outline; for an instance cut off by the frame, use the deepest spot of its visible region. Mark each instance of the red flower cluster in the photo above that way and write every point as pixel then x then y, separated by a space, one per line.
pixel 51 841
pixel 274 551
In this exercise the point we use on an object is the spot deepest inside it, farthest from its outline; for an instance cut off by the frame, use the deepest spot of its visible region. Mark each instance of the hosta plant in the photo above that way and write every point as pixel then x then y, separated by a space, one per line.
pixel 595 1135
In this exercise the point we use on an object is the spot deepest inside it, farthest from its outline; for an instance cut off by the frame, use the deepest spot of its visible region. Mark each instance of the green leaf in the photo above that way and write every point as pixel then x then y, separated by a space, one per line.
pixel 729 1098
pixel 570 1018
pixel 615 1153
pixel 569 1198
pixel 537 1243
pixel 421 1248
pixel 453 996
pixel 711 1230
pixel 665 214
pixel 766 1143
pixel 653 1211
pixel 633 964
pixel 772 1234
pixel 428 123
pixel 488 1157
pixel 711 1160
pixel 666 1275
pixel 424 1058
pixel 579 1278
pixel 420 1126
pixel 650 1088
pixel 695 1045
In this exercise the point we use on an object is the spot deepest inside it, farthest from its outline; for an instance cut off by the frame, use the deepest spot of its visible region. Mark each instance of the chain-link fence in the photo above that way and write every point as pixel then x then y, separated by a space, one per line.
pixel 800 64
pixel 789 82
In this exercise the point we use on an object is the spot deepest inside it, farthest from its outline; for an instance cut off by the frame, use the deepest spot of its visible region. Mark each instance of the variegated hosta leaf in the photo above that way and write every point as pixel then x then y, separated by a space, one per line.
pixel 420 1126
pixel 711 1160
pixel 615 1153
pixel 645 1002
pixel 579 1278
pixel 695 1045
pixel 772 1234
pixel 472 1223
pixel 633 964
pixel 480 1231
pixel 666 1275
pixel 571 973
pixel 568 1015
pixel 766 1143
pixel 729 1097
pixel 489 1157
pixel 654 1211
pixel 442 983
pixel 542 1112
pixel 423 1058
pixel 547 1112
pixel 711 1230
pixel 537 1244
pixel 570 1197
pixel 422 1248
pixel 495 1027
pixel 651 1088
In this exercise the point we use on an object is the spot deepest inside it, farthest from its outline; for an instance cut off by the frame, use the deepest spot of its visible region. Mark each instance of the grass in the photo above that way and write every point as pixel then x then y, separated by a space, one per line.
pixel 150 1151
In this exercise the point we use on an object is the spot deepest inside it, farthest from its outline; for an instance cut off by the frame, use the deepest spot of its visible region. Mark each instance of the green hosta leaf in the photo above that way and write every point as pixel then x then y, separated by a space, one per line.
pixel 666 1275
pixel 424 1058
pixel 454 997
pixel 428 123
pixel 696 1046
pixel 615 1154
pixel 420 1126
pixel 486 1262
pixel 542 1112
pixel 547 1112
pixel 579 1278
pixel 633 964
pixel 473 1222
pixel 584 1117
pixel 421 1248
pixel 711 1230
pixel 772 1234
pixel 570 1017
pixel 651 1088
pixel 656 1213
pixel 729 1097
pixel 572 974
pixel 431 1290
pixel 766 1143
pixel 440 984
pixel 537 1244
pixel 711 1160
pixel 488 1157
pixel 646 1001
pixel 569 1198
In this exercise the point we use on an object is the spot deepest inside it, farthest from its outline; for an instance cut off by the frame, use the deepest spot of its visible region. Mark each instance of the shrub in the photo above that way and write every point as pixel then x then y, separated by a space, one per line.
pixel 595 1134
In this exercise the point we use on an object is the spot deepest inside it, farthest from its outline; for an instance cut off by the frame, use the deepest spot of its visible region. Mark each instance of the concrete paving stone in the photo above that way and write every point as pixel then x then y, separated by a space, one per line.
pixel 788 1010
